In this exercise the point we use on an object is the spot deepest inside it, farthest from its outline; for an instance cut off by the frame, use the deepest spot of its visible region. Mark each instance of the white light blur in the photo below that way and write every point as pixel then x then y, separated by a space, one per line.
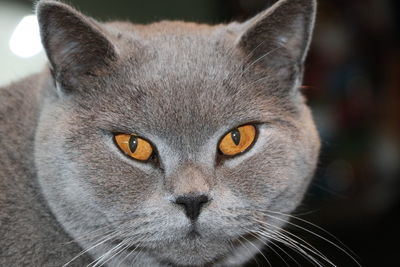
pixel 25 40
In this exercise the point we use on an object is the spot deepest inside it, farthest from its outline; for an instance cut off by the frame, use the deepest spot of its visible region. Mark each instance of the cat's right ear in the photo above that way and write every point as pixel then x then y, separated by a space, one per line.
pixel 279 37
pixel 75 44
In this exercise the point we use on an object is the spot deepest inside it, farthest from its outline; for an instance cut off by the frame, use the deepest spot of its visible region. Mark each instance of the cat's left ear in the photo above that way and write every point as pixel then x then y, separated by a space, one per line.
pixel 280 36
pixel 76 45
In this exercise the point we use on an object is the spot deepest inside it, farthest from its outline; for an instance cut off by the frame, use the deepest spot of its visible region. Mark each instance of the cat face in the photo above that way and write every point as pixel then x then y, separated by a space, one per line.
pixel 181 88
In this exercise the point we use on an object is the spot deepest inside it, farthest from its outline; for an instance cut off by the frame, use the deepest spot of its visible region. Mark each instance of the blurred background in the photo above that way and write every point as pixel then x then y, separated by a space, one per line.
pixel 352 83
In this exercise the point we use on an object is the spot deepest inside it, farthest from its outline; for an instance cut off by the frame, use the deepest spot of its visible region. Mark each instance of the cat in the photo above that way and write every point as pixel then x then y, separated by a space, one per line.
pixel 168 144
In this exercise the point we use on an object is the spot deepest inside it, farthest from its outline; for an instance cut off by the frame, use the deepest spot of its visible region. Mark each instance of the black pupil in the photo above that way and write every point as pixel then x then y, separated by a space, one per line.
pixel 236 136
pixel 133 143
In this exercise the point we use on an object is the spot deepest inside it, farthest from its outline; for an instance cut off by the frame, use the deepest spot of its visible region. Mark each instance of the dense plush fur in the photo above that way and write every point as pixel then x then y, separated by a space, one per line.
pixel 64 185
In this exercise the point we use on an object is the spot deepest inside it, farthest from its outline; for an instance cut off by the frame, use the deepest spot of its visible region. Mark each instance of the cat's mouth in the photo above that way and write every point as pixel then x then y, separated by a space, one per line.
pixel 193 232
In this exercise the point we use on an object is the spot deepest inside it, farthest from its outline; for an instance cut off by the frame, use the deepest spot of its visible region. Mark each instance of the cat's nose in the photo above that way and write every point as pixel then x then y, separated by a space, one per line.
pixel 192 204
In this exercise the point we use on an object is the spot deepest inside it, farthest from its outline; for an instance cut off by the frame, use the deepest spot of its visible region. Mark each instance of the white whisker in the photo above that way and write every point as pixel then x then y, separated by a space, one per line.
pixel 100 259
pixel 294 247
pixel 269 247
pixel 313 225
pixel 317 235
pixel 305 244
pixel 137 255
pixel 118 250
pixel 130 253
pixel 281 249
pixel 103 240
pixel 262 254
pixel 250 253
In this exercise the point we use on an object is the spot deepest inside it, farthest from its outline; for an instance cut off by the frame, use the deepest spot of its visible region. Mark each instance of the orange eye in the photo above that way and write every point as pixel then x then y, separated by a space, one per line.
pixel 238 140
pixel 134 146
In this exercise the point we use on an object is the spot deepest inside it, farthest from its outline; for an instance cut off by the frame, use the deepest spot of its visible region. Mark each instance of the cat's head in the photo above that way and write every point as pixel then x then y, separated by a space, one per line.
pixel 182 141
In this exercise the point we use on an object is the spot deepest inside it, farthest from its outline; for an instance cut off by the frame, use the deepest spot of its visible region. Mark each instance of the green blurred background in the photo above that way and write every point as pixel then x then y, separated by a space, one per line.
pixel 353 85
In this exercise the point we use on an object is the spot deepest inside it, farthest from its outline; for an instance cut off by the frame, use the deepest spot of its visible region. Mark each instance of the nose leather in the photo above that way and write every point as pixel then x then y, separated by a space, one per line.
pixel 192 204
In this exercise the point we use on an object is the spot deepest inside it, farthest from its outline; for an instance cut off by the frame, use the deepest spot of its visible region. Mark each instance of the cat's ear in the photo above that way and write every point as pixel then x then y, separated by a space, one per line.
pixel 75 44
pixel 280 36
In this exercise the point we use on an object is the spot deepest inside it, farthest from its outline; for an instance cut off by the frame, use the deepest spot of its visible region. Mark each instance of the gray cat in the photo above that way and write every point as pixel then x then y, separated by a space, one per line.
pixel 170 144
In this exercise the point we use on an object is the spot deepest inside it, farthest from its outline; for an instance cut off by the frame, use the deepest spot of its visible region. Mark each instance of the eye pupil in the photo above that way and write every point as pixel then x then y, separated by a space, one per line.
pixel 235 134
pixel 133 143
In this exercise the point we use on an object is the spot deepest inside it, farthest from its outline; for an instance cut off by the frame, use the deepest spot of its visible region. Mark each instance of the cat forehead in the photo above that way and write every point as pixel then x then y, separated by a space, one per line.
pixel 180 75
pixel 175 42
pixel 192 101
pixel 181 58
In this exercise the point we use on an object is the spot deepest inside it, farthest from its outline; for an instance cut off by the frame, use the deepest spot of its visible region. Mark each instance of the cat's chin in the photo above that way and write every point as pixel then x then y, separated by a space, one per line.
pixel 198 251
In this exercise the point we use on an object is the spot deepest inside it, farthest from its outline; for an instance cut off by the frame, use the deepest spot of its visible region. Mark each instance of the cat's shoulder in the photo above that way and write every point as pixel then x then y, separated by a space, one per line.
pixel 15 94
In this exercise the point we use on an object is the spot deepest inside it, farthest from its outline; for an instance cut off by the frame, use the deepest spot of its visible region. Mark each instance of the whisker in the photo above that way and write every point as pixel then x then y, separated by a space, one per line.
pixel 121 222
pixel 269 247
pixel 313 225
pixel 317 235
pixel 293 247
pixel 130 253
pixel 103 240
pixel 119 250
pixel 105 257
pixel 303 248
pixel 298 249
pixel 137 255
pixel 310 247
pixel 262 254
pixel 281 249
pixel 84 236
pixel 293 244
pixel 250 253
pixel 98 261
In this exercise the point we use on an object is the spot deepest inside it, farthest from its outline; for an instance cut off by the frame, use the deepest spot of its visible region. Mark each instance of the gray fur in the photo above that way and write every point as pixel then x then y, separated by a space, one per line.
pixel 180 85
